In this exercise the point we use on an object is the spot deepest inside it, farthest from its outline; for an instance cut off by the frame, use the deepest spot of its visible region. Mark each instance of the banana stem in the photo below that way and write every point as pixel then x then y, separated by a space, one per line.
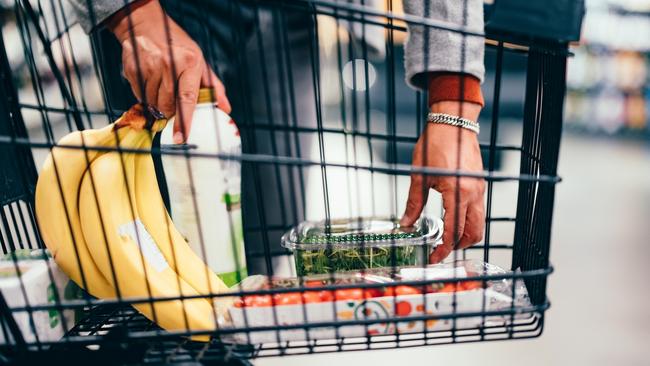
pixel 140 117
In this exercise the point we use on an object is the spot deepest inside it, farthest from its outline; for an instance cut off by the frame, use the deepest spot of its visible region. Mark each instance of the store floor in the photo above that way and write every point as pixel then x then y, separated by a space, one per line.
pixel 600 291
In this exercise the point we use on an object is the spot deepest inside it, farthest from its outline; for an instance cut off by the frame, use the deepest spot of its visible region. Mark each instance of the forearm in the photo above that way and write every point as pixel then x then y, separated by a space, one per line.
pixel 130 20
pixel 429 50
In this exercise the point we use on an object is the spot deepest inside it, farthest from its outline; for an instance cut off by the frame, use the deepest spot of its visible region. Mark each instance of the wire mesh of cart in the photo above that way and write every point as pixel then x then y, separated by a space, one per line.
pixel 327 128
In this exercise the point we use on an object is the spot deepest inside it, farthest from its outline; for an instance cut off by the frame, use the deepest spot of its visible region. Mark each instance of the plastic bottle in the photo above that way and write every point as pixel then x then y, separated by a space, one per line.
pixel 209 215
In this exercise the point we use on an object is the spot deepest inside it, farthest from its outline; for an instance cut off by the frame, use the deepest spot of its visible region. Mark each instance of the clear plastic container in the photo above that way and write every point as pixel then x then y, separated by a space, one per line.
pixel 361 243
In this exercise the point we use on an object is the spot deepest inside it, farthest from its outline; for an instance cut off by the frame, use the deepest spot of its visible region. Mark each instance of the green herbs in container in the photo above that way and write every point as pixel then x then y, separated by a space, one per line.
pixel 360 243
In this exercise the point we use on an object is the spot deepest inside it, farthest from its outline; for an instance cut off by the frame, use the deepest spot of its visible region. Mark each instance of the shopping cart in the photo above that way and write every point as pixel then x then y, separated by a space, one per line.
pixel 296 161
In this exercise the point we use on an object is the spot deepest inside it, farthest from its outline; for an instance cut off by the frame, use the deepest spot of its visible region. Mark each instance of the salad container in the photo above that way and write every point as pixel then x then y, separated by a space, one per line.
pixel 362 243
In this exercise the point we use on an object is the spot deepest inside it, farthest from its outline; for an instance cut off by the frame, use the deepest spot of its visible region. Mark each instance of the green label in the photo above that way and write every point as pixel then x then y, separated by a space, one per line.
pixel 53 313
pixel 234 277
pixel 232 201
pixel 233 206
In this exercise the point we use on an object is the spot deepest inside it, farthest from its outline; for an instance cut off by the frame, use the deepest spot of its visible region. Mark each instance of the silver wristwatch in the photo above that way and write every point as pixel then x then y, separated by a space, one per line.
pixel 448 119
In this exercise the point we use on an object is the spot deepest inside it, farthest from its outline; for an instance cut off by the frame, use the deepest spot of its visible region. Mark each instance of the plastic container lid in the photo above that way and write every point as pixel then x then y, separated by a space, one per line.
pixel 362 232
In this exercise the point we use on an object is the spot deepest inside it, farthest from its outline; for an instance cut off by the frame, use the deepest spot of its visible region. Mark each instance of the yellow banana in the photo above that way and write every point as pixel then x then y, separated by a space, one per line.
pixel 124 250
pixel 171 243
pixel 57 210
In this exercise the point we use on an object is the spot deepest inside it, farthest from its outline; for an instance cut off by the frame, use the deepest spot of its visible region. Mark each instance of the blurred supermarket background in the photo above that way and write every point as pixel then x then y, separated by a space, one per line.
pixel 600 290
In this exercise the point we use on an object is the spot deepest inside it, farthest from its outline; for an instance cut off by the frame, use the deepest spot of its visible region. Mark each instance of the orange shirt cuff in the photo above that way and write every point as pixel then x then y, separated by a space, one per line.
pixel 452 86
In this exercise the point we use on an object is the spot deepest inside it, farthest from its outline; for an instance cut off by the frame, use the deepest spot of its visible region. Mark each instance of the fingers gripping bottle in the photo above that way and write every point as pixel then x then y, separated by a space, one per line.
pixel 204 192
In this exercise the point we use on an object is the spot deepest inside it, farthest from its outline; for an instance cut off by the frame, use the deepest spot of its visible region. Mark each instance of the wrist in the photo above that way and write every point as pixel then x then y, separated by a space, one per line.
pixel 448 136
pixel 132 16
pixel 468 110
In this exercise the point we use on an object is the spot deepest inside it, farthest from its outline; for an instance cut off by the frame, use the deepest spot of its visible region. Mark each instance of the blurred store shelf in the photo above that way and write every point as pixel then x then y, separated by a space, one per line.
pixel 608 79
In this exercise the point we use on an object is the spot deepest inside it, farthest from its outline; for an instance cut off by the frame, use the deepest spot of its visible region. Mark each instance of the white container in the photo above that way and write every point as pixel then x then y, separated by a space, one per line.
pixel 37 282
pixel 350 311
pixel 209 215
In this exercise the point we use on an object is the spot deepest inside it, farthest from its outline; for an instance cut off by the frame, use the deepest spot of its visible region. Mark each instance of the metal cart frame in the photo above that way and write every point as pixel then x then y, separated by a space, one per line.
pixel 113 332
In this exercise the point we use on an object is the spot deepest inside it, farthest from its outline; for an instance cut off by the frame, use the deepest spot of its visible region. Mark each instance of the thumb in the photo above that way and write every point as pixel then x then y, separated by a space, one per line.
pixel 418 195
pixel 188 89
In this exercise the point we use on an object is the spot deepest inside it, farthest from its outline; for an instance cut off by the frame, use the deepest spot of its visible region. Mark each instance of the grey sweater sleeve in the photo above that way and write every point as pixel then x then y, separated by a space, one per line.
pixel 89 13
pixel 429 49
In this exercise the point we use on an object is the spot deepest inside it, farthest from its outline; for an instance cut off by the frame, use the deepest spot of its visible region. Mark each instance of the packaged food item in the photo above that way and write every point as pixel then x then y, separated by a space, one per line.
pixel 27 281
pixel 205 194
pixel 362 243
pixel 387 298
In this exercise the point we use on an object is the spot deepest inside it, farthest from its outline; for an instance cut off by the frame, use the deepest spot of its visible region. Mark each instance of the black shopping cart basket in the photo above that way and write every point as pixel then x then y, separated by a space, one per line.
pixel 327 127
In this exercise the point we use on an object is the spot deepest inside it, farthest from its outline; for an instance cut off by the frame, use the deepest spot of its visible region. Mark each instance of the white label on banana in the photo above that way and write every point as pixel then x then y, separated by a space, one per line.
pixel 148 247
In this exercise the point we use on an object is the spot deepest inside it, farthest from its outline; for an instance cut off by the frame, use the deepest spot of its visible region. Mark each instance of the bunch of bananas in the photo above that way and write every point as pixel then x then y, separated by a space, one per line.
pixel 101 215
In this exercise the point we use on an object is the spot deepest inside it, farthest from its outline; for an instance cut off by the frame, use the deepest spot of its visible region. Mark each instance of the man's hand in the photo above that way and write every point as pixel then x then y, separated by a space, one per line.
pixel 440 146
pixel 164 66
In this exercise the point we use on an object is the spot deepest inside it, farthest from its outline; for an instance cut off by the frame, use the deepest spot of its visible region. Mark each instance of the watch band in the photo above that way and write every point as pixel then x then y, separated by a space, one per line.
pixel 449 119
